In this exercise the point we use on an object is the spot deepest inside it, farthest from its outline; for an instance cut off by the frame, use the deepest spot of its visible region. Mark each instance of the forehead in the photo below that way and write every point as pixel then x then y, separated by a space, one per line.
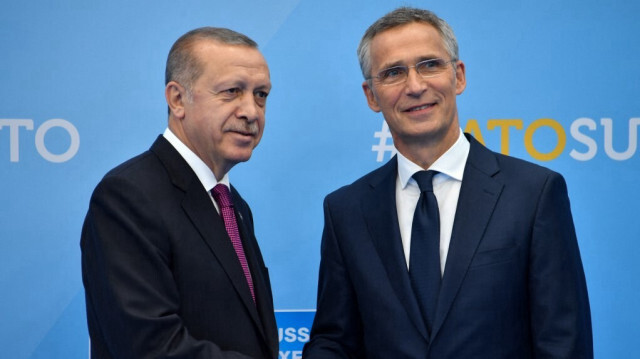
pixel 222 60
pixel 406 44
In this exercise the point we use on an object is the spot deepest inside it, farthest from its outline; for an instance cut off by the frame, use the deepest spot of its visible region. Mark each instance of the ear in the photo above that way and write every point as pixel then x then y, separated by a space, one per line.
pixel 461 80
pixel 371 96
pixel 176 96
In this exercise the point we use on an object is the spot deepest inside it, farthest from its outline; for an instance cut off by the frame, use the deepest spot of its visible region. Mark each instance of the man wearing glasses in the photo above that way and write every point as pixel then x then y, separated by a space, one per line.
pixel 449 250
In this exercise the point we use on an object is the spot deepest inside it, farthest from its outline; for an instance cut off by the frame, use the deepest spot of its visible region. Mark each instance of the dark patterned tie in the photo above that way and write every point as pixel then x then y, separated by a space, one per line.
pixel 222 196
pixel 424 257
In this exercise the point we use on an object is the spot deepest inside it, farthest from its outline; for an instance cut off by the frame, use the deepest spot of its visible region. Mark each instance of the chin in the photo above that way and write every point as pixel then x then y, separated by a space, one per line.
pixel 244 157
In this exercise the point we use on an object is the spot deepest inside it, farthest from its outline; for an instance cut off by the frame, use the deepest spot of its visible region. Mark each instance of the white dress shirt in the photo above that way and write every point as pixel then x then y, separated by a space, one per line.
pixel 204 173
pixel 446 187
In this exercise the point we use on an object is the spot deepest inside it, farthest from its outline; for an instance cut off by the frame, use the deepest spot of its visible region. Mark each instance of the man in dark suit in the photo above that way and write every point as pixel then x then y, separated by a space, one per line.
pixel 449 250
pixel 170 263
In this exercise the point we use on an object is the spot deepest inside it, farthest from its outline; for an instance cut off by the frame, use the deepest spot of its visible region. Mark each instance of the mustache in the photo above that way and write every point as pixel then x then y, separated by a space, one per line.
pixel 243 127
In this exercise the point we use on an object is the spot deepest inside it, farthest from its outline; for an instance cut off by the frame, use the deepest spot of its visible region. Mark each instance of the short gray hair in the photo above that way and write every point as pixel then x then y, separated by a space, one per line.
pixel 183 67
pixel 402 16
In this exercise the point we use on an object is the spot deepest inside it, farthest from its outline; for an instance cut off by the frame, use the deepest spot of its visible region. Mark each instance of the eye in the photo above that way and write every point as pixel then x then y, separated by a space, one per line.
pixel 431 65
pixel 230 94
pixel 392 73
pixel 232 91
pixel 261 97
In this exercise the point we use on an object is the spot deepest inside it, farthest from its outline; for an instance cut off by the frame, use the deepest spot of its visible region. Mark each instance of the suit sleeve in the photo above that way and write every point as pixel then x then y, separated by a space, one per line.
pixel 336 330
pixel 132 300
pixel 559 304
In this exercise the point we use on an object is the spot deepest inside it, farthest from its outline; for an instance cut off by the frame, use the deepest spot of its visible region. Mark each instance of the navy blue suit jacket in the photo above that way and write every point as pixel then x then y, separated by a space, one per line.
pixel 513 285
pixel 161 277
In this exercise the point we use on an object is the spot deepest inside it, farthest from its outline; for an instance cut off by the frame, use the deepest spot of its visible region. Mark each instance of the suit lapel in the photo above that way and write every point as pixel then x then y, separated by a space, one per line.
pixel 197 204
pixel 381 216
pixel 479 194
pixel 264 301
pixel 198 207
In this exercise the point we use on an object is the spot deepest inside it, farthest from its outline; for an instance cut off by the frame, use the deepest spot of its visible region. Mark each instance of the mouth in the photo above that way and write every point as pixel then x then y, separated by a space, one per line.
pixel 243 133
pixel 420 107
pixel 250 131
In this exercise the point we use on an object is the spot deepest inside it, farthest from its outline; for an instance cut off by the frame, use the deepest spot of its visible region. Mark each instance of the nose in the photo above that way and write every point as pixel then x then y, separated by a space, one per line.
pixel 248 109
pixel 415 84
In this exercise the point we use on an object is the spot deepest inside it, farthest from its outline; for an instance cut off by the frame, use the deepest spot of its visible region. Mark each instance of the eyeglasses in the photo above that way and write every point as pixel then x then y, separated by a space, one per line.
pixel 397 74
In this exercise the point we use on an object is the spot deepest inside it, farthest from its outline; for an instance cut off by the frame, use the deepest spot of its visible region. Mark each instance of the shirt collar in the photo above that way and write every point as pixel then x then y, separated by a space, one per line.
pixel 451 163
pixel 202 171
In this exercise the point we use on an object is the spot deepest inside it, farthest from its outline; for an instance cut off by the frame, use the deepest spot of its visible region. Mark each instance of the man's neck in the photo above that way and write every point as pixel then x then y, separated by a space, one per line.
pixel 426 151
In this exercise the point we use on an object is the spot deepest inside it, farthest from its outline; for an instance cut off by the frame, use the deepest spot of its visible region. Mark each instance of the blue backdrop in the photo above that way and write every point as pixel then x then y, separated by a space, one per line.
pixel 552 82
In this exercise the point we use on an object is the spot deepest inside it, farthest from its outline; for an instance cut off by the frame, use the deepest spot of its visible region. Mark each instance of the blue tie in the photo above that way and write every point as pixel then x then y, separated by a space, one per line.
pixel 424 258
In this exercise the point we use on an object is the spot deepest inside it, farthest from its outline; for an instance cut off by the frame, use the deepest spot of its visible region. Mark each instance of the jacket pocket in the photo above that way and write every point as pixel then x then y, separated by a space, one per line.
pixel 493 257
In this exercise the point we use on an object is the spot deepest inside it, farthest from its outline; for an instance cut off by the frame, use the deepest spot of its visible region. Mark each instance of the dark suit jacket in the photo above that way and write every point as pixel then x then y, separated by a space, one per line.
pixel 513 284
pixel 161 277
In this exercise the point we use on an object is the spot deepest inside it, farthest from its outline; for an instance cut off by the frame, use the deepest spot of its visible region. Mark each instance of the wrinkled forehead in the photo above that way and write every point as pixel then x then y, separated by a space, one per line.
pixel 215 50
pixel 216 55
pixel 410 31
pixel 226 65
pixel 406 44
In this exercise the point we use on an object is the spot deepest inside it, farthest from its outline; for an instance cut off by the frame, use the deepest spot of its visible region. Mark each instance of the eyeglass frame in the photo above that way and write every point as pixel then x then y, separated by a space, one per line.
pixel 406 69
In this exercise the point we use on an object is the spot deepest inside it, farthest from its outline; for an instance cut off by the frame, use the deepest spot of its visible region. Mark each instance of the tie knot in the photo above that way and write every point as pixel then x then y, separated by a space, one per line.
pixel 425 180
pixel 221 194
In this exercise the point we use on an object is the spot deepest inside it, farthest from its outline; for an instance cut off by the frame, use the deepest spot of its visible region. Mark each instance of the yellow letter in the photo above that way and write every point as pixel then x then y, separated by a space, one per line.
pixel 504 132
pixel 528 139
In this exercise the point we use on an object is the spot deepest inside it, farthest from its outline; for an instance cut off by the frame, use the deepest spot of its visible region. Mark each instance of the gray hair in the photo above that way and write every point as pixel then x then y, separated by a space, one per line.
pixel 183 67
pixel 402 16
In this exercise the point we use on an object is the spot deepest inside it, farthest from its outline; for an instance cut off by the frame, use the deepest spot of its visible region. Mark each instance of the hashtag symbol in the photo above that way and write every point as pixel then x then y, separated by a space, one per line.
pixel 382 147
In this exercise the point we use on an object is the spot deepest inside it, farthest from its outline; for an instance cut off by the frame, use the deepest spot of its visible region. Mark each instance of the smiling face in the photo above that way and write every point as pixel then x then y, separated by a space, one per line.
pixel 221 118
pixel 421 112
